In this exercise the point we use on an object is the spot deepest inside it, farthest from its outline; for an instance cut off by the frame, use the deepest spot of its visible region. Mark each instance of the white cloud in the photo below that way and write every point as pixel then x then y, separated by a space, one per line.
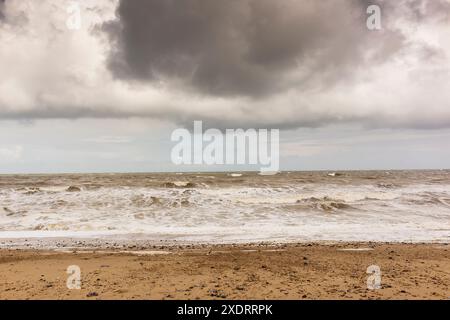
pixel 109 139
pixel 49 71
pixel 8 154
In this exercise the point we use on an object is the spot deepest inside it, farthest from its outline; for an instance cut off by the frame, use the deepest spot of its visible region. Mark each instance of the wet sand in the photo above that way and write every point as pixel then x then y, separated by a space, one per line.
pixel 293 271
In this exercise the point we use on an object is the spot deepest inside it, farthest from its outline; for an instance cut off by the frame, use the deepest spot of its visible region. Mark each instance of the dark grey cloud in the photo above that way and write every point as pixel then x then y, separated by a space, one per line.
pixel 246 47
pixel 2 8
pixel 244 63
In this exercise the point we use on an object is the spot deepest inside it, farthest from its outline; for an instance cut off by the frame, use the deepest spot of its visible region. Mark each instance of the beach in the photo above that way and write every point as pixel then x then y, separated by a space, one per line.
pixel 257 271
pixel 294 235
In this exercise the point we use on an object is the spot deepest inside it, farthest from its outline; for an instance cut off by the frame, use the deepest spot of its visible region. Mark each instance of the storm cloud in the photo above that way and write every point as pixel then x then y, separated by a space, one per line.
pixel 247 63
pixel 2 5
pixel 248 47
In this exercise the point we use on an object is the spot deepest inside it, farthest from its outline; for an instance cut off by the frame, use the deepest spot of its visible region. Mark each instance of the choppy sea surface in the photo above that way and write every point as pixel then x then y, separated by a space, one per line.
pixel 412 206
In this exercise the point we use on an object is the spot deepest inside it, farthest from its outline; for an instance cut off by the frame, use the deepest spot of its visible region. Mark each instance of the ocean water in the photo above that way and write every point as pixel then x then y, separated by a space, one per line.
pixel 412 206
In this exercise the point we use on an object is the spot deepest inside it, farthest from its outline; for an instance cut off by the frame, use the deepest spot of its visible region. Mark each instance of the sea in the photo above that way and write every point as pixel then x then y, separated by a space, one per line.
pixel 242 207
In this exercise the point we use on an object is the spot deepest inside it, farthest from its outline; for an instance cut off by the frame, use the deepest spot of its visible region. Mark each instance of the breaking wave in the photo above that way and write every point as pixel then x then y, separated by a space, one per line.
pixel 325 204
pixel 310 205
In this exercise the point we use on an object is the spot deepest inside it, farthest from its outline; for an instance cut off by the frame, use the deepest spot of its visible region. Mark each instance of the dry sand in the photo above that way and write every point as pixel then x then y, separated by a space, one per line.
pixel 294 271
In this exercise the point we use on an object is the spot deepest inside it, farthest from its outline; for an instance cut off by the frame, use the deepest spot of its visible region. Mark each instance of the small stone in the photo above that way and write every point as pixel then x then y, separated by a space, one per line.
pixel 92 294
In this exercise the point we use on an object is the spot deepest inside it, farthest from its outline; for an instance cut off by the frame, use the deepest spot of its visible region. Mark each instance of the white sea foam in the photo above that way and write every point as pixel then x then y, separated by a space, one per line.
pixel 235 174
pixel 260 209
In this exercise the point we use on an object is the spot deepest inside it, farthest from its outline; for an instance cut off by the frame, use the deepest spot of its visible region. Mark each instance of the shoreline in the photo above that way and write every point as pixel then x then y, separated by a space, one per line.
pixel 230 271
pixel 137 241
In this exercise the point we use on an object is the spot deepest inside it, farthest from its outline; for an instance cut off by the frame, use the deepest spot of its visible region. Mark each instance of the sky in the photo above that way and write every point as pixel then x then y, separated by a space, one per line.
pixel 104 92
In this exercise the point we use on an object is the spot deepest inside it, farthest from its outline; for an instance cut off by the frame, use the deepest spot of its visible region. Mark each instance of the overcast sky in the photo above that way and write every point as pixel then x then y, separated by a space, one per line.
pixel 106 96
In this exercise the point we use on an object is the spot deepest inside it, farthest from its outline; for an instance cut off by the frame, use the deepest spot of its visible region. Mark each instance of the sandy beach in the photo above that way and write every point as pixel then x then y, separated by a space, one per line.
pixel 283 271
pixel 295 235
